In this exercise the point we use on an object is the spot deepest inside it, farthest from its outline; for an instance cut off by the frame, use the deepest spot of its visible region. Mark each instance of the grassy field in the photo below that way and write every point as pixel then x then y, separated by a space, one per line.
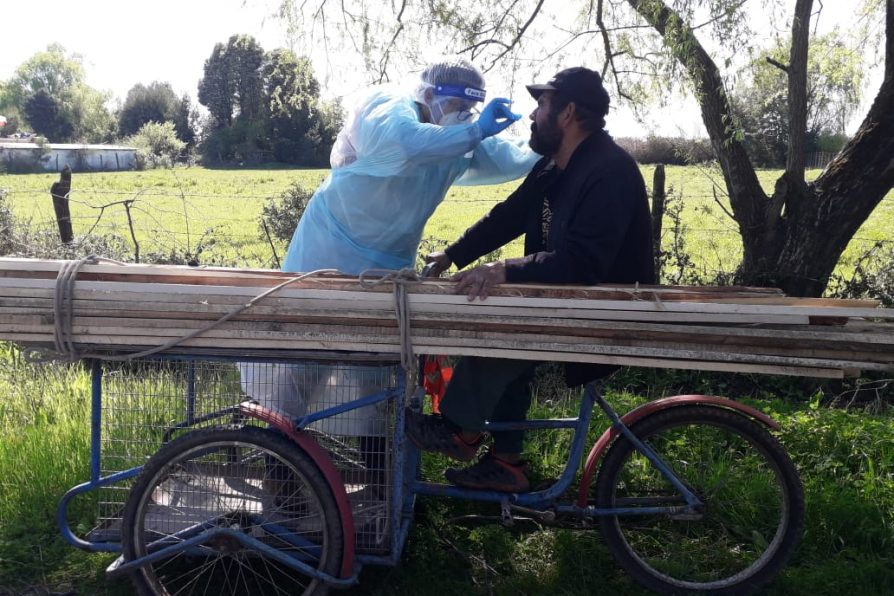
pixel 217 211
pixel 846 459
pixel 846 456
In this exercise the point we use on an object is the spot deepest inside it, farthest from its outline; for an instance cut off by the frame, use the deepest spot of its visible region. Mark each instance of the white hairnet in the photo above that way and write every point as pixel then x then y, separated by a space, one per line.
pixel 454 77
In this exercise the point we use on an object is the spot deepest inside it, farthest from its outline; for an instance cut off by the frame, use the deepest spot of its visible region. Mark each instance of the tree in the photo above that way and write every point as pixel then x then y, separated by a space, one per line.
pixel 156 102
pixel 216 89
pixel 157 145
pixel 834 84
pixel 793 237
pixel 45 114
pixel 265 102
pixel 293 96
pixel 75 111
pixel 91 121
pixel 186 121
pixel 232 84
pixel 53 71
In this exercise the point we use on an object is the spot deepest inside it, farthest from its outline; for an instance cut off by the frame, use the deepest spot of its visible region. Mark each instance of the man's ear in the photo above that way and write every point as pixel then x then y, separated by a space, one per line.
pixel 567 115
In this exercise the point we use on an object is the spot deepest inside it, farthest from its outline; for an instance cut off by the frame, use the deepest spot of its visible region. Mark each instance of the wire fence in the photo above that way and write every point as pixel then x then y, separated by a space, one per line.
pixel 163 224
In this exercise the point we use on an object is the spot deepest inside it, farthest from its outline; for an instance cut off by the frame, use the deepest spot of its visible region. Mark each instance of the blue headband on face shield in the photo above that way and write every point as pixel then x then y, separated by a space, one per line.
pixel 467 93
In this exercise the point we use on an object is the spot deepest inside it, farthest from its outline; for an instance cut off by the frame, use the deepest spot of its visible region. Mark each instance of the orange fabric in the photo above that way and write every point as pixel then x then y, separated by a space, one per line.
pixel 436 375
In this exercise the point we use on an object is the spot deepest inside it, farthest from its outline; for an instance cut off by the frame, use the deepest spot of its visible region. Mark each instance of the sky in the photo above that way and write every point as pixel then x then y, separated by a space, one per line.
pixel 169 40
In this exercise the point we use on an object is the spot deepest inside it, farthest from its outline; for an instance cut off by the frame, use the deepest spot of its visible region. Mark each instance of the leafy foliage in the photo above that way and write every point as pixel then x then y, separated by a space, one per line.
pixel 45 113
pixel 834 84
pixel 156 102
pixel 157 145
pixel 231 85
pixel 872 277
pixel 265 105
pixel 281 214
pixel 49 89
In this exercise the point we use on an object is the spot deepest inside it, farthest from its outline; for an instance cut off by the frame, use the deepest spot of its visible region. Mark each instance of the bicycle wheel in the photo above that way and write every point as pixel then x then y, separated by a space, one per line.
pixel 251 480
pixel 753 503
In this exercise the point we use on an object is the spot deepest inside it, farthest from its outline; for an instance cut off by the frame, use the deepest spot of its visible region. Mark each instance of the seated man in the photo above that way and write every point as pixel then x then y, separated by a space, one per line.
pixel 585 216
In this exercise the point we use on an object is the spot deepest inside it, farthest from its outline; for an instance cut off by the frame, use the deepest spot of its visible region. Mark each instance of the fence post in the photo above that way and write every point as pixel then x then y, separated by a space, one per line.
pixel 658 198
pixel 59 191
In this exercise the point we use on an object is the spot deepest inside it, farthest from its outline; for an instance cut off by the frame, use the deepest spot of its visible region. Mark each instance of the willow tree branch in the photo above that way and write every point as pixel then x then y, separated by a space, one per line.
pixel 609 54
pixel 717 18
pixel 797 92
pixel 482 43
pixel 386 54
pixel 519 34
pixel 778 64
pixel 747 198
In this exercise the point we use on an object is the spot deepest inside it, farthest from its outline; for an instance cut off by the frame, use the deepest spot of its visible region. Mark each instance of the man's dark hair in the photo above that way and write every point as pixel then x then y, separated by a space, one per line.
pixel 589 120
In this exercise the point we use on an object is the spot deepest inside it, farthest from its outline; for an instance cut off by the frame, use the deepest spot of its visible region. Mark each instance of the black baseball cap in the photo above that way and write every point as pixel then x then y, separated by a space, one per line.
pixel 578 84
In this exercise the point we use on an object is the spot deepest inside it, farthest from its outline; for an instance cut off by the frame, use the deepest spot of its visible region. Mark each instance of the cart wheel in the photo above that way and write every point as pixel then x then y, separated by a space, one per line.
pixel 250 482
pixel 753 503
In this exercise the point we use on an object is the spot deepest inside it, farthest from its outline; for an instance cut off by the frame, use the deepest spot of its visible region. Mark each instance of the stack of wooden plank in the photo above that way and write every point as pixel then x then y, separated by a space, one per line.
pixel 127 308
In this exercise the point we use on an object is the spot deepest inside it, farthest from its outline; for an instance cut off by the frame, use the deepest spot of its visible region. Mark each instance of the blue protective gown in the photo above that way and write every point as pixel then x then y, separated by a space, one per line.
pixel 390 172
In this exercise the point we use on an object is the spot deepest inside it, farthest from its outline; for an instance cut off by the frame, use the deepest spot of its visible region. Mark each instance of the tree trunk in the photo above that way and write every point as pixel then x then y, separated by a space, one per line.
pixel 797 91
pixel 793 239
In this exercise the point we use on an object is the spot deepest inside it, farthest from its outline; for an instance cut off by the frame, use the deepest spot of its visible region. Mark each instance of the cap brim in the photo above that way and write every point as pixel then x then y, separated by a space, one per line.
pixel 536 90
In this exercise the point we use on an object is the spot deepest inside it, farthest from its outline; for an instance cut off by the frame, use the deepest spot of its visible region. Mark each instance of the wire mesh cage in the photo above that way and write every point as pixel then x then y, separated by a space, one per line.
pixel 147 404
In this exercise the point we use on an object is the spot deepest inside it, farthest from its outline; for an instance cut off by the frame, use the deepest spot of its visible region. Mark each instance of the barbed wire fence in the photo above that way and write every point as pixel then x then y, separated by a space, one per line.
pixel 176 226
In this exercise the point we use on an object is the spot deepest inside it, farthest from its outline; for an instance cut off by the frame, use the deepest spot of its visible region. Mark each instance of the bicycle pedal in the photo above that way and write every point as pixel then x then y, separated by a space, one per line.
pixel 506 514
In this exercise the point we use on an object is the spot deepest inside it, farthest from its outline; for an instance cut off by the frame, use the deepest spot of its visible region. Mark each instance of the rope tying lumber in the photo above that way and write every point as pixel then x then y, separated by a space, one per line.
pixel 400 278
pixel 63 316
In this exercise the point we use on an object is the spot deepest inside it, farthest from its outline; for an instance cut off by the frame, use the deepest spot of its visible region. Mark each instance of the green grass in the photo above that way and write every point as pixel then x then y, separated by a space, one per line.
pixel 217 211
pixel 846 457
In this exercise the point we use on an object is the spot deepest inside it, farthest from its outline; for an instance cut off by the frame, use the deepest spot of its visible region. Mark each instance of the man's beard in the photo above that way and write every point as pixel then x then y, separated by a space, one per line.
pixel 546 139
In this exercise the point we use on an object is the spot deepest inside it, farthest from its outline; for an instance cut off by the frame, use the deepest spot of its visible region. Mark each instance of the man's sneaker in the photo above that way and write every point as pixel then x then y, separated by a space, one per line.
pixel 492 473
pixel 434 433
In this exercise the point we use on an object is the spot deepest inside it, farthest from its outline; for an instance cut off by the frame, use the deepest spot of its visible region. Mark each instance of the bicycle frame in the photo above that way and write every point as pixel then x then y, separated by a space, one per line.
pixel 406 482
pixel 547 498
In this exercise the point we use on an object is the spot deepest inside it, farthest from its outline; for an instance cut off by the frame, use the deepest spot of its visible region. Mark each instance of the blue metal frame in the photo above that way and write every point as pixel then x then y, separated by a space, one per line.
pixel 406 484
pixel 546 499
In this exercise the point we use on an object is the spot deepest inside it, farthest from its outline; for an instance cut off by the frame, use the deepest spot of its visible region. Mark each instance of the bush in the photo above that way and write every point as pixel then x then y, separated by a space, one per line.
pixel 281 214
pixel 873 277
pixel 244 142
pixel 668 150
pixel 7 225
pixel 157 145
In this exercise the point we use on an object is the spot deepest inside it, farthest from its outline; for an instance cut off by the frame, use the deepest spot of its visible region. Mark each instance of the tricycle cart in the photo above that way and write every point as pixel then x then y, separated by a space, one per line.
pixel 287 476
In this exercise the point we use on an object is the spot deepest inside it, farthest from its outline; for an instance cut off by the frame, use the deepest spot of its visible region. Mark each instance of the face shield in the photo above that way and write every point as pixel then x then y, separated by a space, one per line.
pixel 450 104
pixel 449 111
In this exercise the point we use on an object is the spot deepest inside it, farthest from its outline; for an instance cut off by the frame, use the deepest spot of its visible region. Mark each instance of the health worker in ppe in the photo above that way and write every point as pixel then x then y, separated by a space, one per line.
pixel 392 164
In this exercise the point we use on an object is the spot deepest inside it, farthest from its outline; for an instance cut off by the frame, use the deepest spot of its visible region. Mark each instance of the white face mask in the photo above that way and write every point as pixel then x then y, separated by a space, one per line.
pixel 454 118
pixel 462 116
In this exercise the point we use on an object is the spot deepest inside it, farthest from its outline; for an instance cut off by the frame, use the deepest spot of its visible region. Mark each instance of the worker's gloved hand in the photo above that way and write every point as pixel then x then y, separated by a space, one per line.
pixel 496 117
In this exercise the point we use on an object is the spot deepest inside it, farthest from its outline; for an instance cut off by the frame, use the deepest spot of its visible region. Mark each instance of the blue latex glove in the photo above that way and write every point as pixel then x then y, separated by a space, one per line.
pixel 496 117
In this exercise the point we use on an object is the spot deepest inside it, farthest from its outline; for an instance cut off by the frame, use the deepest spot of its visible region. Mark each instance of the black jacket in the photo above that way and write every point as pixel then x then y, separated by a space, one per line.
pixel 588 224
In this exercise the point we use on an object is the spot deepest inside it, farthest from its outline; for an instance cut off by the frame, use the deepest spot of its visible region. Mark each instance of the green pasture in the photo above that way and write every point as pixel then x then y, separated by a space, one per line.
pixel 185 209
pixel 845 455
